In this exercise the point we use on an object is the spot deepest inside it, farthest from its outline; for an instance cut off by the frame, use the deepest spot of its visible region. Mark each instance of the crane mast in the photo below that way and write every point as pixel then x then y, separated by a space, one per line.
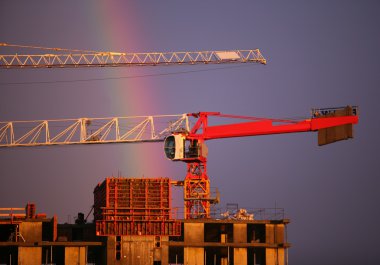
pixel 66 58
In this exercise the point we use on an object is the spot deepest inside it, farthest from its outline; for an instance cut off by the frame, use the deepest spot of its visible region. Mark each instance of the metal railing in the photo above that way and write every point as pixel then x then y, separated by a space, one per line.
pixel 248 214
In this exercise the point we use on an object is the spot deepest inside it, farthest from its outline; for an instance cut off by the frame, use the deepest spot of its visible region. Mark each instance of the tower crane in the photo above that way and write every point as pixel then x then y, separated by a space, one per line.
pixel 69 58
pixel 181 141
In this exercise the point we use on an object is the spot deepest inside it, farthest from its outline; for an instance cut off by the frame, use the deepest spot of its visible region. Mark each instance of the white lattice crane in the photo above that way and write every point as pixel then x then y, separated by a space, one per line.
pixel 66 58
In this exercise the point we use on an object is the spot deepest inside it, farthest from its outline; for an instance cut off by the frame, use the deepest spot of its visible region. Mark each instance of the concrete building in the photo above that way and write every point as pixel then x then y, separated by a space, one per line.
pixel 40 240
pixel 134 225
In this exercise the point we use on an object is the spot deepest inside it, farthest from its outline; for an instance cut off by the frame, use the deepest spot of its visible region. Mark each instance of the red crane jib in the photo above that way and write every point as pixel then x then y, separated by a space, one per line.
pixel 266 127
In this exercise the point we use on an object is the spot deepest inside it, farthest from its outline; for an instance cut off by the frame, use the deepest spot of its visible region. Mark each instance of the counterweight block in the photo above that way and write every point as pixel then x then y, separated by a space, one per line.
pixel 336 133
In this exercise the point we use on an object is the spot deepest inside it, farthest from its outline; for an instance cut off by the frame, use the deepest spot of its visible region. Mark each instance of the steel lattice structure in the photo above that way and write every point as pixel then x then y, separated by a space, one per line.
pixel 79 58
pixel 91 130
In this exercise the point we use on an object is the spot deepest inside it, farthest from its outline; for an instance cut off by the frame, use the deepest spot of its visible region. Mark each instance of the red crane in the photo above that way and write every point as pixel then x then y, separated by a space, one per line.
pixel 182 143
pixel 332 124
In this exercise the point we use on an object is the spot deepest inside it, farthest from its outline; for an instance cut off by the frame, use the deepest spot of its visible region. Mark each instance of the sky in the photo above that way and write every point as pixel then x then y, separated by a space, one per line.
pixel 319 54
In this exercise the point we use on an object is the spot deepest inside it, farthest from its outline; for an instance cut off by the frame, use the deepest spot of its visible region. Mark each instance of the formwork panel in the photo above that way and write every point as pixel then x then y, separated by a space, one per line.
pixel 135 193
pixel 138 228
pixel 130 206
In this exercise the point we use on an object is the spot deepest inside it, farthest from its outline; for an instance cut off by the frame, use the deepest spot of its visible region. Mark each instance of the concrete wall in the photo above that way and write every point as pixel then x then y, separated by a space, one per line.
pixel 29 255
pixel 31 231
pixel 75 255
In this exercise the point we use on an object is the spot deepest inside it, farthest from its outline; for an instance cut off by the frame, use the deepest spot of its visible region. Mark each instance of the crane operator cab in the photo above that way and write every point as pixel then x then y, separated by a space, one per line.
pixel 177 147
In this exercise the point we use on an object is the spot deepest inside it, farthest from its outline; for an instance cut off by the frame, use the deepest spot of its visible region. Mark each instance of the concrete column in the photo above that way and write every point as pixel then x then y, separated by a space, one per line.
pixel 274 234
pixel 275 256
pixel 111 244
pixel 240 256
pixel 240 236
pixel 29 255
pixel 164 251
pixel 75 255
pixel 269 233
pixel 280 233
pixel 194 233
pixel 193 256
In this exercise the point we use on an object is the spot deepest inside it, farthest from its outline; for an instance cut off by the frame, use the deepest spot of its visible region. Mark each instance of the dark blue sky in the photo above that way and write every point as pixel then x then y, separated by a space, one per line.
pixel 320 54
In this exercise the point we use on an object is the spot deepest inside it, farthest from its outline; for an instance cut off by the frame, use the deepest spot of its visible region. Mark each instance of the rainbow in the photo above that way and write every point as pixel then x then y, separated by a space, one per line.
pixel 135 96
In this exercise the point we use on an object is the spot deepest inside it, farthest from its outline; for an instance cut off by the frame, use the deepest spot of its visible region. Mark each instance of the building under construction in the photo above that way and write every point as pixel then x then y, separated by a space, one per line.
pixel 134 223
